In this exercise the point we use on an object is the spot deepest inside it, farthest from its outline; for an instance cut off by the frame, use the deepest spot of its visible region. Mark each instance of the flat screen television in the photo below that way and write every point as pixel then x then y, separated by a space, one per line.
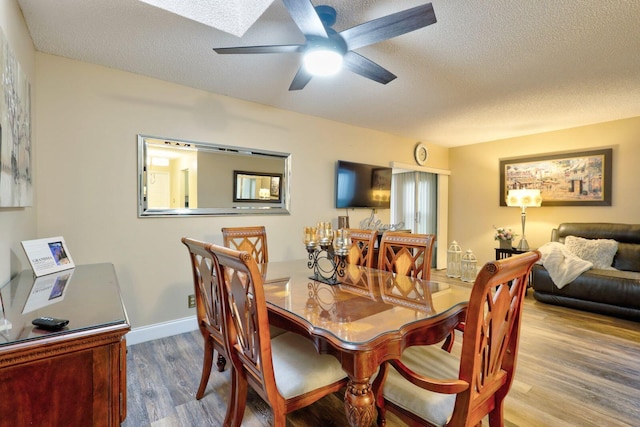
pixel 360 185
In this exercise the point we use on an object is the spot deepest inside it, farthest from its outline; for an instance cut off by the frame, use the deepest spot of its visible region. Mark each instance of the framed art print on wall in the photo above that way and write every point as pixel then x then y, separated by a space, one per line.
pixel 16 188
pixel 564 179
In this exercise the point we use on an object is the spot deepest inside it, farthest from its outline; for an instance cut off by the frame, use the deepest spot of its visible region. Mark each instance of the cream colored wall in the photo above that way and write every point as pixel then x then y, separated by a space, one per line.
pixel 89 117
pixel 474 187
pixel 17 224
pixel 85 122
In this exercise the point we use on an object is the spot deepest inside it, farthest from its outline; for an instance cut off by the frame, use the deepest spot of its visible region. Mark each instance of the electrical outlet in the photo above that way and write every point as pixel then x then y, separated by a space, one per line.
pixel 191 301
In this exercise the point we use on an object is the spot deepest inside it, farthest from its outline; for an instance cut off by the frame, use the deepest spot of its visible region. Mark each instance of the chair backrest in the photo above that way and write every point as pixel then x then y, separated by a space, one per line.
pixel 362 247
pixel 491 335
pixel 248 239
pixel 490 343
pixel 405 253
pixel 208 303
pixel 245 319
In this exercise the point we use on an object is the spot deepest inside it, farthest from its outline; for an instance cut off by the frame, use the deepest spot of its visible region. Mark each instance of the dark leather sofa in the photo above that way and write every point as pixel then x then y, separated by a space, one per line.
pixel 611 292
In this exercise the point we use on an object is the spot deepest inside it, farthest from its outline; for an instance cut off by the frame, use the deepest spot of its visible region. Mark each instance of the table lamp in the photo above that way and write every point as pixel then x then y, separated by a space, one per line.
pixel 264 194
pixel 524 198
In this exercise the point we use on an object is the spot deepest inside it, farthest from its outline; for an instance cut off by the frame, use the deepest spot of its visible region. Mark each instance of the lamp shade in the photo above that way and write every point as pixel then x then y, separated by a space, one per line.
pixel 264 193
pixel 524 198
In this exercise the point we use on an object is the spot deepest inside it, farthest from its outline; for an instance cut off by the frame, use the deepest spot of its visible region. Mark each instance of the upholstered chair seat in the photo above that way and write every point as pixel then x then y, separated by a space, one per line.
pixel 299 368
pixel 431 362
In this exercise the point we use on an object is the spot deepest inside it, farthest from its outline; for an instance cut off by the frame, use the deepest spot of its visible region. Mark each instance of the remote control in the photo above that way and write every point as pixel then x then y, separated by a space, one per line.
pixel 50 323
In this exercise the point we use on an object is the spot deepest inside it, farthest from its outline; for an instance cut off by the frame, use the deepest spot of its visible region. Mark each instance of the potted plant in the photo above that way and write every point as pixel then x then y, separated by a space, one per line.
pixel 505 236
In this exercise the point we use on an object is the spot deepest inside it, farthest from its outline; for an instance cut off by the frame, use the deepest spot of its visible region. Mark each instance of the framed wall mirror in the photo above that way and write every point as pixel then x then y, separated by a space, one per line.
pixel 183 178
pixel 256 187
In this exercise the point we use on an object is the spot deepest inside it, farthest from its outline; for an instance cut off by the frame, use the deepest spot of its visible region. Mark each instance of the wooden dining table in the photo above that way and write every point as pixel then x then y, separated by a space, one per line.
pixel 362 320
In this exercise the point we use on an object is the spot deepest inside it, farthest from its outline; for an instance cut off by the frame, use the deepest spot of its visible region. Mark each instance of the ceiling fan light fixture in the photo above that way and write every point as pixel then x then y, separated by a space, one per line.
pixel 322 62
pixel 325 51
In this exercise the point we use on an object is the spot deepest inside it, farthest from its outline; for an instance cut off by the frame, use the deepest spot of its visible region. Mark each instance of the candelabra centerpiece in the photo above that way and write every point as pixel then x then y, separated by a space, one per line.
pixel 327 249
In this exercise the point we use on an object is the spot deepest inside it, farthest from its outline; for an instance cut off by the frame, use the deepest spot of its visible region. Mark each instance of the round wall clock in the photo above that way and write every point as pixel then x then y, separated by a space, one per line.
pixel 421 154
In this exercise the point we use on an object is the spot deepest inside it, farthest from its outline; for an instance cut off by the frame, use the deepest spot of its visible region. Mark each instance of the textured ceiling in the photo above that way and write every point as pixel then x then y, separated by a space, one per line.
pixel 232 16
pixel 488 69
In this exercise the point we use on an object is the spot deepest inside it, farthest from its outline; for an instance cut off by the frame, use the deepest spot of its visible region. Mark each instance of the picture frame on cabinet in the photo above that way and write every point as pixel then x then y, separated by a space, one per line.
pixel 48 255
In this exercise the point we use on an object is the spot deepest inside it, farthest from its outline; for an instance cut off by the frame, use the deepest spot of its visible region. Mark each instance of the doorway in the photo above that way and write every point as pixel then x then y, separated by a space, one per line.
pixel 414 202
pixel 158 190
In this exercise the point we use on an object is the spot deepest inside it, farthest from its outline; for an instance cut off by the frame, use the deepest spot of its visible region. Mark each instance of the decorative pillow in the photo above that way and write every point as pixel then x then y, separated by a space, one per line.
pixel 600 252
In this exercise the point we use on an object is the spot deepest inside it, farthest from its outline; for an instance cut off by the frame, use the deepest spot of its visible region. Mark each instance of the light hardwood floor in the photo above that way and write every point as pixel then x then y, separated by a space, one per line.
pixel 574 369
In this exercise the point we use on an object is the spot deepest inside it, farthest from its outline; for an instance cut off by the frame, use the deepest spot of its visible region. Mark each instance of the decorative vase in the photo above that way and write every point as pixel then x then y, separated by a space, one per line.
pixel 505 244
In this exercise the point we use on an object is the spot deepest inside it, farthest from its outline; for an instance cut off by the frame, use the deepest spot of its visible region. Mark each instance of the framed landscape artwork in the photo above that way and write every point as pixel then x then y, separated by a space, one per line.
pixel 564 179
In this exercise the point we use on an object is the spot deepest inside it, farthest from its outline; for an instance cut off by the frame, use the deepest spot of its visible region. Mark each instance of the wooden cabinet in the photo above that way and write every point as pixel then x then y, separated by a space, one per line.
pixel 72 377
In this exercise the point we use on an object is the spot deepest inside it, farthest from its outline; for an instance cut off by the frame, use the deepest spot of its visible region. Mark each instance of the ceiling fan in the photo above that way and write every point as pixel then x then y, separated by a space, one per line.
pixel 324 46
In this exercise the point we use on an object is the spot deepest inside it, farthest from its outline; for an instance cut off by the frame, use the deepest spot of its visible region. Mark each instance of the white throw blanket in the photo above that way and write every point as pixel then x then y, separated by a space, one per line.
pixel 563 266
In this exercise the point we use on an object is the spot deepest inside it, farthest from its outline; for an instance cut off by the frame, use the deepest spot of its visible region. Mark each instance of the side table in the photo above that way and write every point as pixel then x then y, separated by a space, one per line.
pixel 502 253
pixel 506 253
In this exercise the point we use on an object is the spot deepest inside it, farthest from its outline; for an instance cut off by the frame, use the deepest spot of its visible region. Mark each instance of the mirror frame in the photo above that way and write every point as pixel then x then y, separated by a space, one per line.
pixel 281 207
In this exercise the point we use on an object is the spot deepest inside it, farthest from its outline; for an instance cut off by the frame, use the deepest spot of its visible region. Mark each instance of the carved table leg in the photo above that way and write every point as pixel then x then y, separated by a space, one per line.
pixel 359 403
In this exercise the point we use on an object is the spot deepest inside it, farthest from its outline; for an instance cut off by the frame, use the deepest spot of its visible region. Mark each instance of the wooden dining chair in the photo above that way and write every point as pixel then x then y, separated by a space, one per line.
pixel 430 386
pixel 286 371
pixel 208 308
pixel 254 241
pixel 362 247
pixel 248 239
pixel 405 253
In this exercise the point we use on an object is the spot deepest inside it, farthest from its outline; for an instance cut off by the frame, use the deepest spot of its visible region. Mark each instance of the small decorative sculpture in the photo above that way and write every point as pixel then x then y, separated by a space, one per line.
pixel 371 223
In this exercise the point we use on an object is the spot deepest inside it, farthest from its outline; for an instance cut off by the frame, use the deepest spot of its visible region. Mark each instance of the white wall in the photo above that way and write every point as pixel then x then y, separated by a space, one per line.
pixel 89 117
pixel 17 224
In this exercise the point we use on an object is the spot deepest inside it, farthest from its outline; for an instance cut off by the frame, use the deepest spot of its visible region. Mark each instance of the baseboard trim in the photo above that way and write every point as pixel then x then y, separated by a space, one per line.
pixel 161 330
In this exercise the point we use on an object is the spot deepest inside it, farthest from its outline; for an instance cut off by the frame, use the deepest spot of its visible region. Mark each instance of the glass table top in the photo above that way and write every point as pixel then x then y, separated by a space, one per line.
pixel 367 304
pixel 87 295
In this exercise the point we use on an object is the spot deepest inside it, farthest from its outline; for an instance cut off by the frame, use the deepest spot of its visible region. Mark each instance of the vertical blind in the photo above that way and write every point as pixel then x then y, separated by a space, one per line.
pixel 414 201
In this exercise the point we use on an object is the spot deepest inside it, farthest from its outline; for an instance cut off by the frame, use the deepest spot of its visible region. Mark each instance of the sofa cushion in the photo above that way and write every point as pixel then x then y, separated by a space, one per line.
pixel 611 287
pixel 628 257
pixel 627 236
pixel 600 252
pixel 623 233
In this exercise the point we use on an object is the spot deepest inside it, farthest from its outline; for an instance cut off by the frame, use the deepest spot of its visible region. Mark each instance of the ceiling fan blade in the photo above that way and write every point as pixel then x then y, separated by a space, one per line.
pixel 389 26
pixel 287 48
pixel 306 17
pixel 367 68
pixel 300 80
